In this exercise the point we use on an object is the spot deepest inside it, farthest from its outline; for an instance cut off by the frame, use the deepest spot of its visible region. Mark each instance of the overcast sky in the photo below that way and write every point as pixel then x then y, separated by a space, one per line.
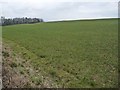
pixel 52 10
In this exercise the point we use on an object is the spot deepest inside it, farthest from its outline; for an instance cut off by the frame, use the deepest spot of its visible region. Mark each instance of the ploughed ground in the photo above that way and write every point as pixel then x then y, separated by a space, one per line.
pixel 12 77
pixel 17 72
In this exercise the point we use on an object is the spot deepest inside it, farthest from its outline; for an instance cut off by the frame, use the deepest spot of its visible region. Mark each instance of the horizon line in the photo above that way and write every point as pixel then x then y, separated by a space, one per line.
pixel 66 19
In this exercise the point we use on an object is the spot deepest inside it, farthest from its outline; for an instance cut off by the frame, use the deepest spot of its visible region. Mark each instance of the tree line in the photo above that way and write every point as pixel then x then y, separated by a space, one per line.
pixel 25 20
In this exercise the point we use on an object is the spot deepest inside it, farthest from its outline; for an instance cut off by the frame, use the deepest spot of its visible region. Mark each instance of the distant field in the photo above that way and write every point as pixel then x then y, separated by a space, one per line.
pixel 72 54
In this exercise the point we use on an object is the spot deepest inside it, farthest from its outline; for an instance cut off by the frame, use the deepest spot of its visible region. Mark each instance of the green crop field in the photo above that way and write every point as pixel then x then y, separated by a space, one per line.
pixel 71 53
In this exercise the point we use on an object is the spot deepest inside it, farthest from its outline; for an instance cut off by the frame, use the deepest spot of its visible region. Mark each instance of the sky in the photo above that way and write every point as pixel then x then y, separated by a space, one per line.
pixel 55 10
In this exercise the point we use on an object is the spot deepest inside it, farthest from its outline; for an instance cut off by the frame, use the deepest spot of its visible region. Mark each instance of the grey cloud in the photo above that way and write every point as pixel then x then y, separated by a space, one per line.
pixel 61 10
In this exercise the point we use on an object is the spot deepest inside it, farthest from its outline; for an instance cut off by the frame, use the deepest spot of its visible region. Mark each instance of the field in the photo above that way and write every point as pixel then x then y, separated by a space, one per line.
pixel 69 53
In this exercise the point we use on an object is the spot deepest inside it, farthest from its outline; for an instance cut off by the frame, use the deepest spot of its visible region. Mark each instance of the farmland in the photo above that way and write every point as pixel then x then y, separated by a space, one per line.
pixel 70 54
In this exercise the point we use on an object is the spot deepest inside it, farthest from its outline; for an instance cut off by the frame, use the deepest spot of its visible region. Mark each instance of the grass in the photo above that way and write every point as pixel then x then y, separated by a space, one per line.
pixel 73 54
